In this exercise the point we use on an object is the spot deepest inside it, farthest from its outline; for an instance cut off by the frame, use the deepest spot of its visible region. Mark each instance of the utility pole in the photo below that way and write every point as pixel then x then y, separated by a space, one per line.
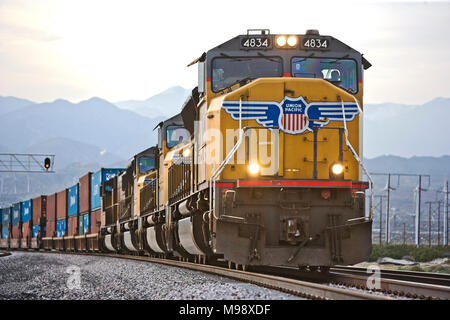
pixel 429 223
pixel 388 236
pixel 446 191
pixel 439 223
pixel 404 233
pixel 380 207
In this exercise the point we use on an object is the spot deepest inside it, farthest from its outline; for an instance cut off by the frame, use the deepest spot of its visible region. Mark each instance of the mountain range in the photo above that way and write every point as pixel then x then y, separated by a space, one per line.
pixel 96 133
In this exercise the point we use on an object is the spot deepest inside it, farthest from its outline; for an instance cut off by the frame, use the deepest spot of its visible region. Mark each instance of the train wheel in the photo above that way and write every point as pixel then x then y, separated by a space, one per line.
pixel 302 268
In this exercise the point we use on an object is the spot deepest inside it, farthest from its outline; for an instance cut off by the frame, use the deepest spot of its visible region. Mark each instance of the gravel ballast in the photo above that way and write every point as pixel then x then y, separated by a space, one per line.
pixel 26 275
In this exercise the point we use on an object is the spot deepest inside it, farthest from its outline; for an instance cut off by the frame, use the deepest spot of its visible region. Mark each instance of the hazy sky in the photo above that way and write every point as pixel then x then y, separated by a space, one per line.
pixel 120 50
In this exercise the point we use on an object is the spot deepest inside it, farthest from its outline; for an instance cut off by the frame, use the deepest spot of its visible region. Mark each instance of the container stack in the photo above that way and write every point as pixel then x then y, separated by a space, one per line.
pixel 39 220
pixel 97 179
pixel 16 226
pixel 27 223
pixel 72 217
pixel 84 217
pixel 50 223
pixel 61 219
pixel 6 224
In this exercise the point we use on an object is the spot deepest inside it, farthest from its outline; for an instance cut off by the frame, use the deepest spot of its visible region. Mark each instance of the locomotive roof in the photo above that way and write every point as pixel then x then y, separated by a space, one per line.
pixel 335 48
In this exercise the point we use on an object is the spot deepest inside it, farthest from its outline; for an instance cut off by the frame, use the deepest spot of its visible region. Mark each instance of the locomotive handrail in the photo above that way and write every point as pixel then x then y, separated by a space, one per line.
pixel 355 155
pixel 218 171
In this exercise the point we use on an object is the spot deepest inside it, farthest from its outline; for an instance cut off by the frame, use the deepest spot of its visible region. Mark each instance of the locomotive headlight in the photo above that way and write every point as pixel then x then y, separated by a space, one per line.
pixel 292 41
pixel 337 171
pixel 337 168
pixel 253 168
pixel 186 153
pixel 281 41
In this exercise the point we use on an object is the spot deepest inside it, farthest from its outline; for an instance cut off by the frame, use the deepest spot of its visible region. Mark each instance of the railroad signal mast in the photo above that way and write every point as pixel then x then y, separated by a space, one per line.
pixel 27 162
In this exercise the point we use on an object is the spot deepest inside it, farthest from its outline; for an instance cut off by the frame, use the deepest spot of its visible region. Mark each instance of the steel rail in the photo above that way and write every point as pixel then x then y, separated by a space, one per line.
pixel 414 276
pixel 395 287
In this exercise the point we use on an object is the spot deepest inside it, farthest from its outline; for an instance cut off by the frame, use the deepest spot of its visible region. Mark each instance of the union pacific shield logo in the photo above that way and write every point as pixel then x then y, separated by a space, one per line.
pixel 292 115
pixel 293 119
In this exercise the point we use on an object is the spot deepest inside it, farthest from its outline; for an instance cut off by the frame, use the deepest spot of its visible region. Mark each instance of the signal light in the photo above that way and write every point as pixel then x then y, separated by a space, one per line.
pixel 47 163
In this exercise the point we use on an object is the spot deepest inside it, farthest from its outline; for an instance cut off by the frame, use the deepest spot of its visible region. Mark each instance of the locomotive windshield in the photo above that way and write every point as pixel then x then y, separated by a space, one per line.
pixel 146 164
pixel 341 72
pixel 176 135
pixel 228 71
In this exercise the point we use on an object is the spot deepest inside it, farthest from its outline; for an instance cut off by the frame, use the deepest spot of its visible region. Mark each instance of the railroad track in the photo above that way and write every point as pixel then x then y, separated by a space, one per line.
pixel 301 288
pixel 305 289
pixel 442 279
pixel 413 285
pixel 340 283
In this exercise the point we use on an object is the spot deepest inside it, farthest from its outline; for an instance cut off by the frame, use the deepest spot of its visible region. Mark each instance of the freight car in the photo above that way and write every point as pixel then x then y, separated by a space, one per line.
pixel 262 166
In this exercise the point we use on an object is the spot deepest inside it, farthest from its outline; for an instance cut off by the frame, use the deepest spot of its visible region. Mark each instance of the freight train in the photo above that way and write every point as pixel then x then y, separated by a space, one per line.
pixel 262 166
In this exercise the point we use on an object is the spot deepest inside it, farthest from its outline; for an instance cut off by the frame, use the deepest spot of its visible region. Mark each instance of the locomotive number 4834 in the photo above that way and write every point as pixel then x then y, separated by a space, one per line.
pixel 317 43
pixel 255 42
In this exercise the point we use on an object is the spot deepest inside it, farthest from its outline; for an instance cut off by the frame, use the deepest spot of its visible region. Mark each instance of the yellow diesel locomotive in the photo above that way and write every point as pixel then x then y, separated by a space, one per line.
pixel 263 165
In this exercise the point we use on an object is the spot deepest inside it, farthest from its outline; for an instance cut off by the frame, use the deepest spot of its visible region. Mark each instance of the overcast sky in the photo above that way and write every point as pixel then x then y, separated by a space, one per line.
pixel 120 50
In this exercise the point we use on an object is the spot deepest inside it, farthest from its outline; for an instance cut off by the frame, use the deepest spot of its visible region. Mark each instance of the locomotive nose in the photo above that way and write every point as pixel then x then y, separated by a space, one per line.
pixel 280 116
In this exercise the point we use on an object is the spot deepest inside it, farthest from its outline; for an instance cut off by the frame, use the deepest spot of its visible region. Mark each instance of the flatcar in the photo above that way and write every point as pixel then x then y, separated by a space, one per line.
pixel 262 166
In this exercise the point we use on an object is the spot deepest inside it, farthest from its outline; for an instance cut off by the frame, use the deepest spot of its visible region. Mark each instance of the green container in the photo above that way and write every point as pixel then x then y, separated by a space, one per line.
pixel 80 225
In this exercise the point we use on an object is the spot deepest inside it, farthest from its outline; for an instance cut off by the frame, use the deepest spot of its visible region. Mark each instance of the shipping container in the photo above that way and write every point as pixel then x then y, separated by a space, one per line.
pixel 80 225
pixel 72 226
pixel 97 180
pixel 39 210
pixel 26 211
pixel 5 232
pixel 6 217
pixel 95 221
pixel 26 229
pixel 36 229
pixel 25 239
pixel 61 228
pixel 86 223
pixel 15 217
pixel 6 224
pixel 16 226
pixel 73 200
pixel 61 205
pixel 51 216
pixel 85 193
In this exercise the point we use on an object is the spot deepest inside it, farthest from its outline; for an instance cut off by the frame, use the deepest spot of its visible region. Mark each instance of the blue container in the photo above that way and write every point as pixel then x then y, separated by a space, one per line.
pixel 16 210
pixel 73 200
pixel 4 232
pixel 61 228
pixel 27 211
pixel 35 231
pixel 86 223
pixel 6 217
pixel 97 179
